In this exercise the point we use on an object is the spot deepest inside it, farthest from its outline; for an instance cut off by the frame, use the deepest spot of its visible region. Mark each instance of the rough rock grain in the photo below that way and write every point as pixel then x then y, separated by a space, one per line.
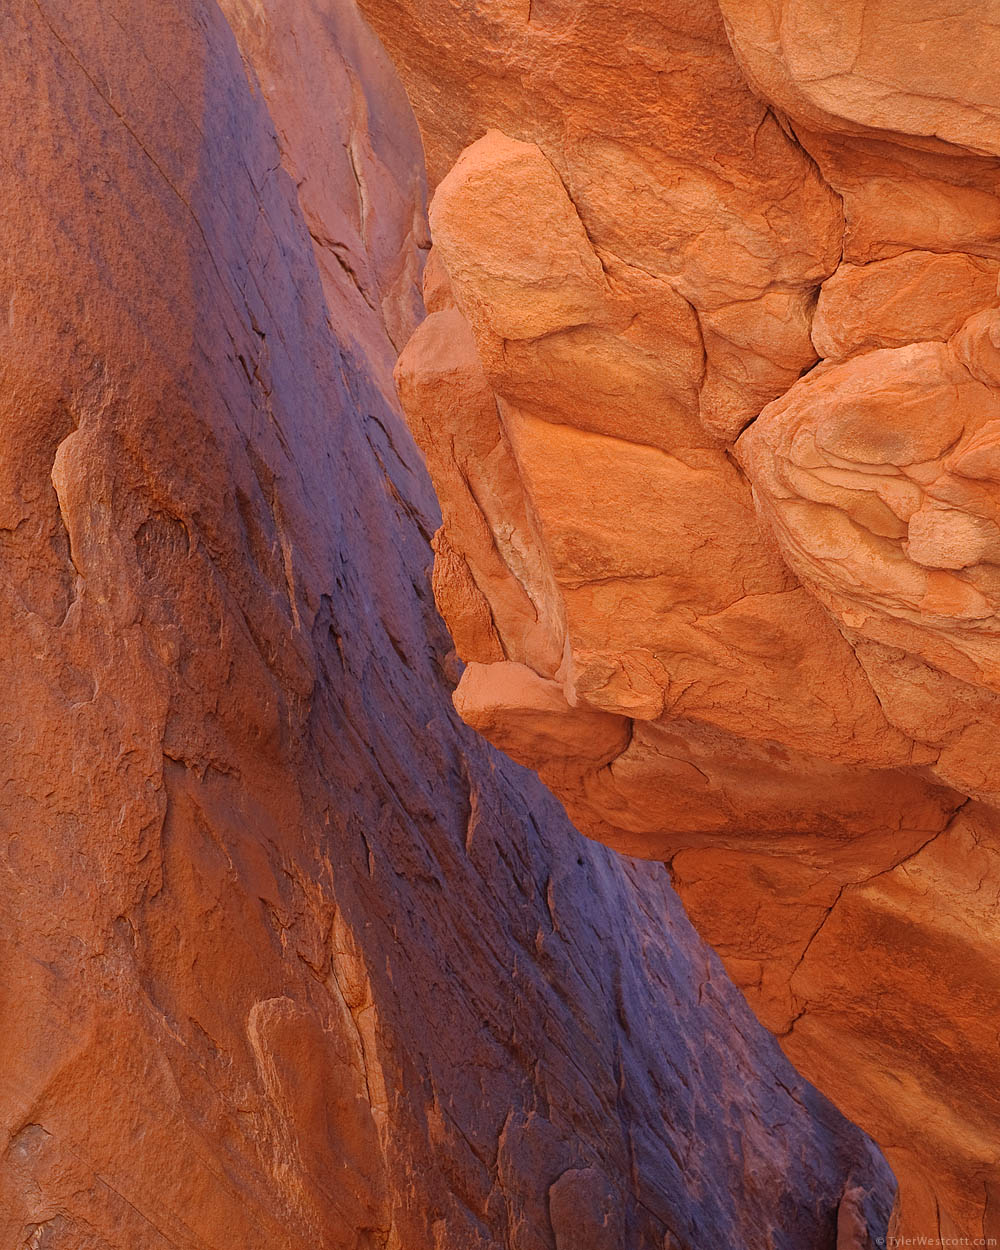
pixel 290 958
pixel 756 434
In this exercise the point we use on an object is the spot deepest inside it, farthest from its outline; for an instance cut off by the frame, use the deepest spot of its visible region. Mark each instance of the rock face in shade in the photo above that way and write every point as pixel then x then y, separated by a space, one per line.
pixel 710 394
pixel 290 957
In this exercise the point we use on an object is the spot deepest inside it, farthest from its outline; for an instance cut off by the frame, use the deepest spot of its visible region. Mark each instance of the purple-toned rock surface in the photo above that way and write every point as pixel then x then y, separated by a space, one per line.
pixel 290 957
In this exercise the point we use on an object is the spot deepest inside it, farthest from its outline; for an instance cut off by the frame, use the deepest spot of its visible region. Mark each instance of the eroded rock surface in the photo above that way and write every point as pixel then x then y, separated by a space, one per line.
pixel 710 392
pixel 290 957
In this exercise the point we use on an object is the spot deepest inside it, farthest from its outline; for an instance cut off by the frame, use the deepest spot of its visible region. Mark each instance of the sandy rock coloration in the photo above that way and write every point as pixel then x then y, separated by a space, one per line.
pixel 710 394
pixel 290 957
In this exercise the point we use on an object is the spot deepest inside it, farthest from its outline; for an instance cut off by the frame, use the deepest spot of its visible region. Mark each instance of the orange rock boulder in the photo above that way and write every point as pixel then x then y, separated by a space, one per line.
pixel 730 277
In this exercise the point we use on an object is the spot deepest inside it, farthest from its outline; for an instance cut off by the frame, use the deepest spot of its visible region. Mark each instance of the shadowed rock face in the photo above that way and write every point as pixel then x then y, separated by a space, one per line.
pixel 710 393
pixel 290 957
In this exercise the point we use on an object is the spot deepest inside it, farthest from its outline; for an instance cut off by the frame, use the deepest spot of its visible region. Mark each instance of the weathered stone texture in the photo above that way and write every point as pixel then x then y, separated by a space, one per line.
pixel 730 272
pixel 288 956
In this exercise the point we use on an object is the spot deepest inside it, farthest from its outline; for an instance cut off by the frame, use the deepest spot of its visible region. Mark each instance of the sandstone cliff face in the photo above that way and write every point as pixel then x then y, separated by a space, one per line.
pixel 290 957
pixel 710 393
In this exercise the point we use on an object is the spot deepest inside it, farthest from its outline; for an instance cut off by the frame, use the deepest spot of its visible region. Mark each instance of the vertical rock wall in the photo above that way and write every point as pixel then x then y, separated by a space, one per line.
pixel 709 392
pixel 290 958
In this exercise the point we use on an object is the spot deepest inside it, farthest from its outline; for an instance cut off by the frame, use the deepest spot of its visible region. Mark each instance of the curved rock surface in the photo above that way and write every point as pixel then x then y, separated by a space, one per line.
pixel 710 392
pixel 290 957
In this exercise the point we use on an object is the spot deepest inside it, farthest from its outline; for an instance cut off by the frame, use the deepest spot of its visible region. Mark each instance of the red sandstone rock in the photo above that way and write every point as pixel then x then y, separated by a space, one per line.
pixel 289 957
pixel 926 72
pixel 780 574
pixel 909 298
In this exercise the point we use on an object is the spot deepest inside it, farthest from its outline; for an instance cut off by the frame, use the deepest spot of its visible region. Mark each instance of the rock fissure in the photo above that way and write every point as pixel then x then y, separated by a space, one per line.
pixel 808 685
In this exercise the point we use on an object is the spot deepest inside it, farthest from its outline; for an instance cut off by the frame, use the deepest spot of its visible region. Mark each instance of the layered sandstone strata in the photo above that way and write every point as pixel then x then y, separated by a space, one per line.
pixel 290 958
pixel 710 393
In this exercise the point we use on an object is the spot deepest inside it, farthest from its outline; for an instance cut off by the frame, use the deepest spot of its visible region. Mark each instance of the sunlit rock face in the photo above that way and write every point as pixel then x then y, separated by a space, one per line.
pixel 710 393
pixel 291 958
